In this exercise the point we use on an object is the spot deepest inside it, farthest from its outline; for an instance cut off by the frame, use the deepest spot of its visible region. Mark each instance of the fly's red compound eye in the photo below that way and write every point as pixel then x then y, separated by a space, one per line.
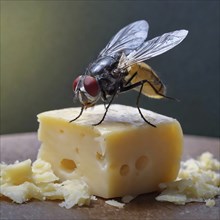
pixel 91 86
pixel 75 82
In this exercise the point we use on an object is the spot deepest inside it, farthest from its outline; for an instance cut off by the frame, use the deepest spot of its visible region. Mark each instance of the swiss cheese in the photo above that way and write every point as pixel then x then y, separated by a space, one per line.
pixel 121 156
pixel 113 144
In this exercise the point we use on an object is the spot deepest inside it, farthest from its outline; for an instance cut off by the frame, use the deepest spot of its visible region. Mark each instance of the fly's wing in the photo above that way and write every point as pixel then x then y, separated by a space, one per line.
pixel 154 47
pixel 127 39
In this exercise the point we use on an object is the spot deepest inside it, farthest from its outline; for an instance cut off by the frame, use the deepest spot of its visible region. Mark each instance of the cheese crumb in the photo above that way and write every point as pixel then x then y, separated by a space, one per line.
pixel 75 192
pixel 16 173
pixel 197 181
pixel 42 172
pixel 115 203
pixel 210 202
pixel 21 193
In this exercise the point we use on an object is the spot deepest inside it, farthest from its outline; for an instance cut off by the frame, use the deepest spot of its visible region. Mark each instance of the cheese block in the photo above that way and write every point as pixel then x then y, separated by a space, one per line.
pixel 122 156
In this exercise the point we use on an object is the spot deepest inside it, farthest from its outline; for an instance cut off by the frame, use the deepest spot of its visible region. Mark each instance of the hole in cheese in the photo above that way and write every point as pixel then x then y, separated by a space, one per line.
pixel 124 170
pixel 82 134
pixel 141 163
pixel 99 156
pixel 68 165
pixel 61 131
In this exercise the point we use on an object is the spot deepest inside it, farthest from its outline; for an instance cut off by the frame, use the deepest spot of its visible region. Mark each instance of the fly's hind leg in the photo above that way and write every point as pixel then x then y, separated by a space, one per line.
pixel 141 84
pixel 139 110
pixel 130 79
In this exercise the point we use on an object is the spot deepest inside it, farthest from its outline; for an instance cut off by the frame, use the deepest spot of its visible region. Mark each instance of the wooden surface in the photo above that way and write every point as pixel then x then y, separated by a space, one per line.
pixel 24 146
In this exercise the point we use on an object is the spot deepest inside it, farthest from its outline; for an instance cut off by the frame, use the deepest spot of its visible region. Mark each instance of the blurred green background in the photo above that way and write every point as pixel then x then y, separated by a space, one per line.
pixel 46 44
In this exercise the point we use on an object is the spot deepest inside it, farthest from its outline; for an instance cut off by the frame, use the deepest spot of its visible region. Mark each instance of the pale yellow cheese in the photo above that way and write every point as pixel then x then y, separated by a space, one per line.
pixel 122 156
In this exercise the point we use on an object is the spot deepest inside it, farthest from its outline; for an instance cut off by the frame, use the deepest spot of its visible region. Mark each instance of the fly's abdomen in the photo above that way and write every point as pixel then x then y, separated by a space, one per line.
pixel 154 88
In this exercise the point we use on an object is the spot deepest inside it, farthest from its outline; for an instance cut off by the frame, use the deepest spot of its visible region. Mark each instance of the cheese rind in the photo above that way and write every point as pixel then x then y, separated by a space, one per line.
pixel 122 156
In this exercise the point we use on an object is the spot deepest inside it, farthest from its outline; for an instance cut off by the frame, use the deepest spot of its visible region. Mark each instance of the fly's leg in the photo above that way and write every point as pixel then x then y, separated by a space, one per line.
pixel 132 77
pixel 127 88
pixel 104 99
pixel 139 110
pixel 106 109
pixel 141 83
pixel 81 111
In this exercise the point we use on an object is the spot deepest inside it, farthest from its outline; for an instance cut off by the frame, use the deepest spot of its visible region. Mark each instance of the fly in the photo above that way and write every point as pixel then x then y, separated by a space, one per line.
pixel 120 67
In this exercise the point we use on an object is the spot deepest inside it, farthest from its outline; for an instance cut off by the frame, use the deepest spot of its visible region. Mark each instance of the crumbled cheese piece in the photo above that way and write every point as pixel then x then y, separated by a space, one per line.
pixel 115 203
pixel 16 173
pixel 75 192
pixel 210 202
pixel 197 181
pixel 208 162
pixel 20 182
pixel 21 193
pixel 94 198
pixel 42 172
pixel 50 191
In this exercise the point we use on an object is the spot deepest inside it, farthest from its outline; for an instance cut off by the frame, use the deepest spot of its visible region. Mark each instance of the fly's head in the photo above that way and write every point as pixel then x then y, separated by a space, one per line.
pixel 86 89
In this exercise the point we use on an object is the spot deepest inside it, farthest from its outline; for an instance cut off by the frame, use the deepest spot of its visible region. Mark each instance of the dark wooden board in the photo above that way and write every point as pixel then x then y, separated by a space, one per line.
pixel 24 146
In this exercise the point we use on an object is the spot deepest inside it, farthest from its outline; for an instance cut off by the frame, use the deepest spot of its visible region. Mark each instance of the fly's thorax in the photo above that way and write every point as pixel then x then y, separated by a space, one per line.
pixel 102 65
pixel 87 90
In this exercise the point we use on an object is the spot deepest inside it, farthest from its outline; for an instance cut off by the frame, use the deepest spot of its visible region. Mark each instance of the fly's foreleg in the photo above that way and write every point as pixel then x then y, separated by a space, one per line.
pixel 106 109
pixel 104 99
pixel 81 111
